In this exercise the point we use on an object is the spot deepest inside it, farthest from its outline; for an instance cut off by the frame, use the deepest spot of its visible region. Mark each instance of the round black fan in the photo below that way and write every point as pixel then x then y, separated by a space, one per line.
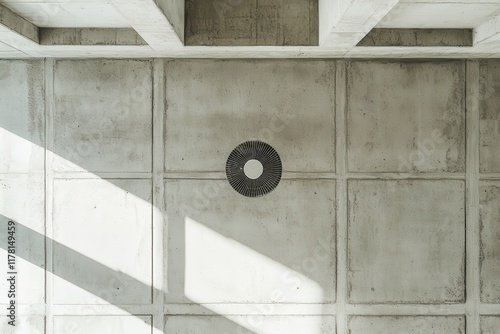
pixel 254 169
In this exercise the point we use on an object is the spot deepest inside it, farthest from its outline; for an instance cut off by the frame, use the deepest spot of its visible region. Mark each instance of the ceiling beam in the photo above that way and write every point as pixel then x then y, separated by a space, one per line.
pixel 17 32
pixel 488 32
pixel 343 23
pixel 151 21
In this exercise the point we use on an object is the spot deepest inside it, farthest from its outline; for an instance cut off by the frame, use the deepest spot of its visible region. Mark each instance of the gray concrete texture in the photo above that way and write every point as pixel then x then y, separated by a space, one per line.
pixel 418 37
pixel 406 117
pixel 490 325
pixel 490 236
pixel 405 246
pixel 22 101
pixel 305 217
pixel 490 116
pixel 228 102
pixel 407 324
pixel 252 22
pixel 371 210
pixel 124 206
pixel 95 104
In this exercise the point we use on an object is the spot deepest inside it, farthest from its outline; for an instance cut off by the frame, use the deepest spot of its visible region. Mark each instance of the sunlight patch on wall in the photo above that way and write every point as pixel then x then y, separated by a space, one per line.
pixel 219 268
pixel 18 154
pixel 109 222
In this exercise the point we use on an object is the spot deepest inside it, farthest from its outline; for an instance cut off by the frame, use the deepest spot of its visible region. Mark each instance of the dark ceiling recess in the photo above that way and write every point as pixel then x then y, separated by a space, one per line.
pixel 242 169
pixel 252 22
pixel 418 37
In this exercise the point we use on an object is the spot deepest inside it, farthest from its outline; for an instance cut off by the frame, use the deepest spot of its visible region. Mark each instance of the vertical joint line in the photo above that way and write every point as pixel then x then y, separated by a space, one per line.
pixel 341 194
pixel 158 228
pixel 472 197
pixel 49 186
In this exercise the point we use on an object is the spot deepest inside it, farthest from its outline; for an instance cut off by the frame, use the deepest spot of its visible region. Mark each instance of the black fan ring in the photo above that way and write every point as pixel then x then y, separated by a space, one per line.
pixel 271 163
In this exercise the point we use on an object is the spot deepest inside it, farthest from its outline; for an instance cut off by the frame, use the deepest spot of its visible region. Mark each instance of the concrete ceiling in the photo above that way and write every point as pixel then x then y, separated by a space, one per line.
pixel 439 14
pixel 276 28
pixel 69 14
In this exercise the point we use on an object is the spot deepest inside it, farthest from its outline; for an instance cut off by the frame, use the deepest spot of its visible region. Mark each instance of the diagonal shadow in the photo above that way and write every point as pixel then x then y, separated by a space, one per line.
pixel 85 272
pixel 101 281
pixel 81 270
pixel 78 271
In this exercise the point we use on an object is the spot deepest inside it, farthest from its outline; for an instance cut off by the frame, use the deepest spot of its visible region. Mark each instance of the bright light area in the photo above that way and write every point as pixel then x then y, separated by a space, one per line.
pixel 20 201
pixel 253 169
pixel 18 154
pixel 221 270
pixel 102 324
pixel 122 243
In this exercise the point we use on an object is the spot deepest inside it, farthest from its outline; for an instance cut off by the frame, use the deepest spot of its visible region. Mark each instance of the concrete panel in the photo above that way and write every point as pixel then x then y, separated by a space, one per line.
pixel 300 22
pixel 25 325
pixel 21 116
pixel 414 325
pixel 406 116
pixel 490 241
pixel 103 115
pixel 102 233
pixel 263 22
pixel 226 248
pixel 250 324
pixel 490 116
pixel 213 106
pixel 490 325
pixel 103 324
pixel 406 241
pixel 220 23
pixel 22 201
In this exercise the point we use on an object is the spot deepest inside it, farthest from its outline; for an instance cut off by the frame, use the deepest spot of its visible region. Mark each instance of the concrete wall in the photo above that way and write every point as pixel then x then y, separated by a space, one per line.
pixel 386 220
